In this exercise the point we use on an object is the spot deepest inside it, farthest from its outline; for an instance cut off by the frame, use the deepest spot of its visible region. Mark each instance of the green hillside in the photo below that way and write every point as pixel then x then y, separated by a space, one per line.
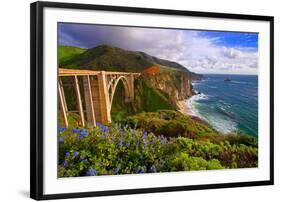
pixel 67 52
pixel 108 58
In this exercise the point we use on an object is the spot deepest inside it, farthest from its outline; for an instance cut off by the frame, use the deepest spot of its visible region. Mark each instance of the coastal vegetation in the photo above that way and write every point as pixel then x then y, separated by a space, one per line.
pixel 120 149
pixel 150 134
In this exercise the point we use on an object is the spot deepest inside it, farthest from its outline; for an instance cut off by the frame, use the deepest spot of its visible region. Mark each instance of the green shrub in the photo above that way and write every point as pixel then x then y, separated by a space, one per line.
pixel 185 162
pixel 120 149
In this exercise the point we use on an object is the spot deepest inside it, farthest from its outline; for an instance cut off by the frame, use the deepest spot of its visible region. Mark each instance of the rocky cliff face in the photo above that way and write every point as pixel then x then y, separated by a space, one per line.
pixel 186 87
pixel 175 86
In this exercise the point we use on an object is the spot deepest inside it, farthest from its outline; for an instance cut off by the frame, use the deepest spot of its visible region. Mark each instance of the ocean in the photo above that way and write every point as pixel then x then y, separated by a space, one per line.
pixel 229 106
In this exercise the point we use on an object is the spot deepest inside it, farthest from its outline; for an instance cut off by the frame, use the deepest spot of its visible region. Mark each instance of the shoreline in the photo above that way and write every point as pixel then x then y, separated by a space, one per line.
pixel 184 107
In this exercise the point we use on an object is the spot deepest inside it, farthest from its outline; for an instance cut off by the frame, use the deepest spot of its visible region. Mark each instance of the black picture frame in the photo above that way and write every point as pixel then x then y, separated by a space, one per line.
pixel 36 98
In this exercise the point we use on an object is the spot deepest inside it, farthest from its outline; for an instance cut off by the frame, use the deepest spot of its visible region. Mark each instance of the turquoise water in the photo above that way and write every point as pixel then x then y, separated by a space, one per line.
pixel 227 105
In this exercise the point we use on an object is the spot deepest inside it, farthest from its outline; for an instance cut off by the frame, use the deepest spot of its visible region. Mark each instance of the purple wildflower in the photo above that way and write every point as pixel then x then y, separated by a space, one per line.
pixel 85 161
pixel 65 163
pixel 76 153
pixel 91 172
pixel 61 129
pixel 163 140
pixel 61 139
pixel 83 133
pixel 99 124
pixel 127 144
pixel 103 128
pixel 120 143
pixel 144 143
pixel 67 154
pixel 144 133
pixel 75 130
pixel 133 133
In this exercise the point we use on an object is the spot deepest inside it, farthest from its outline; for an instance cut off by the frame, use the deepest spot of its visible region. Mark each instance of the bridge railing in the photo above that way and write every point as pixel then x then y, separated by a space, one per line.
pixel 83 72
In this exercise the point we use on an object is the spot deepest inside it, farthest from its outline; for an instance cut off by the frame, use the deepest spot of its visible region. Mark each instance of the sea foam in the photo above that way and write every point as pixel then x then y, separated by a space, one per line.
pixel 219 122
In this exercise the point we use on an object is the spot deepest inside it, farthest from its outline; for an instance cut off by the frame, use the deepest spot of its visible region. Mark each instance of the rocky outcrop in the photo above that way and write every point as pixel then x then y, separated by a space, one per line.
pixel 175 85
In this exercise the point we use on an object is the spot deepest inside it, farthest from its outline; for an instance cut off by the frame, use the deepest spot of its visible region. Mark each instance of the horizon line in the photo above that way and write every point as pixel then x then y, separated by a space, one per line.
pixel 246 74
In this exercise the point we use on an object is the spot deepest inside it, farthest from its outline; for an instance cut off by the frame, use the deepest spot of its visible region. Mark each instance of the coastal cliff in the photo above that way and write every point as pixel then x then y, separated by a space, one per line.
pixel 175 86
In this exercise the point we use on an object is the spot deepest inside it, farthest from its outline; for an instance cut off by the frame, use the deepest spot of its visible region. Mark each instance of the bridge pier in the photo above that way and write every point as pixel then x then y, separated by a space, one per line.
pixel 131 87
pixel 89 101
pixel 104 98
pixel 79 101
pixel 100 99
pixel 62 103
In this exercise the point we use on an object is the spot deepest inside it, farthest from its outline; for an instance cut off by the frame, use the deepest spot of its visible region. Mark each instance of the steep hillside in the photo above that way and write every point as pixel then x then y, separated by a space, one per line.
pixel 166 63
pixel 108 58
pixel 67 52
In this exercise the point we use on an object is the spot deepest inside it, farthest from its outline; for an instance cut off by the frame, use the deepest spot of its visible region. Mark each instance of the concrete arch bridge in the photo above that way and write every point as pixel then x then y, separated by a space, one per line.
pixel 99 88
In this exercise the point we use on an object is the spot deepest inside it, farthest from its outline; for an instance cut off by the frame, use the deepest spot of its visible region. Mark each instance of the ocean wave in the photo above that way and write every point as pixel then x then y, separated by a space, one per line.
pixel 222 123
pixel 195 83
pixel 225 112
pixel 191 102
pixel 198 82
pixel 220 120
pixel 240 82
pixel 199 96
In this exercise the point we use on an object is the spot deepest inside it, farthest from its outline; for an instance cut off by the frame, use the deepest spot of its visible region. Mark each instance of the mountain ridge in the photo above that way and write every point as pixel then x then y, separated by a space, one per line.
pixel 105 57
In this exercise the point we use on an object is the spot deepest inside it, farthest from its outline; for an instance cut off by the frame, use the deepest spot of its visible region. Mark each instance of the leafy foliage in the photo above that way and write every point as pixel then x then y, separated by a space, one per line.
pixel 174 124
pixel 117 149
pixel 185 162
pixel 170 123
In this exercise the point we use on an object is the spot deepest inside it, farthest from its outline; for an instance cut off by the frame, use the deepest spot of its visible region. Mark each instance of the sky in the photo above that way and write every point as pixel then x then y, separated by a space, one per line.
pixel 200 51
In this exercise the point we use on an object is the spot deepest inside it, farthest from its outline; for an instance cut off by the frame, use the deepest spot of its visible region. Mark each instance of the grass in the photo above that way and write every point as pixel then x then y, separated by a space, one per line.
pixel 109 59
pixel 67 52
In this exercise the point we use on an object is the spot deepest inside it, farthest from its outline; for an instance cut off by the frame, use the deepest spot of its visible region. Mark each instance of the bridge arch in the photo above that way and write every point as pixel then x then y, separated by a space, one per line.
pixel 99 88
pixel 112 86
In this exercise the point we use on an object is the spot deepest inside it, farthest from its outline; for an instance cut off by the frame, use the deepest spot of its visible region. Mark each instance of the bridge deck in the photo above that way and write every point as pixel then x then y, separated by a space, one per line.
pixel 83 72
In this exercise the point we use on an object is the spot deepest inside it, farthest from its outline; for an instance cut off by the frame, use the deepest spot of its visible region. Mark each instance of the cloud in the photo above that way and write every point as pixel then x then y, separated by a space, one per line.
pixel 195 51
pixel 231 53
